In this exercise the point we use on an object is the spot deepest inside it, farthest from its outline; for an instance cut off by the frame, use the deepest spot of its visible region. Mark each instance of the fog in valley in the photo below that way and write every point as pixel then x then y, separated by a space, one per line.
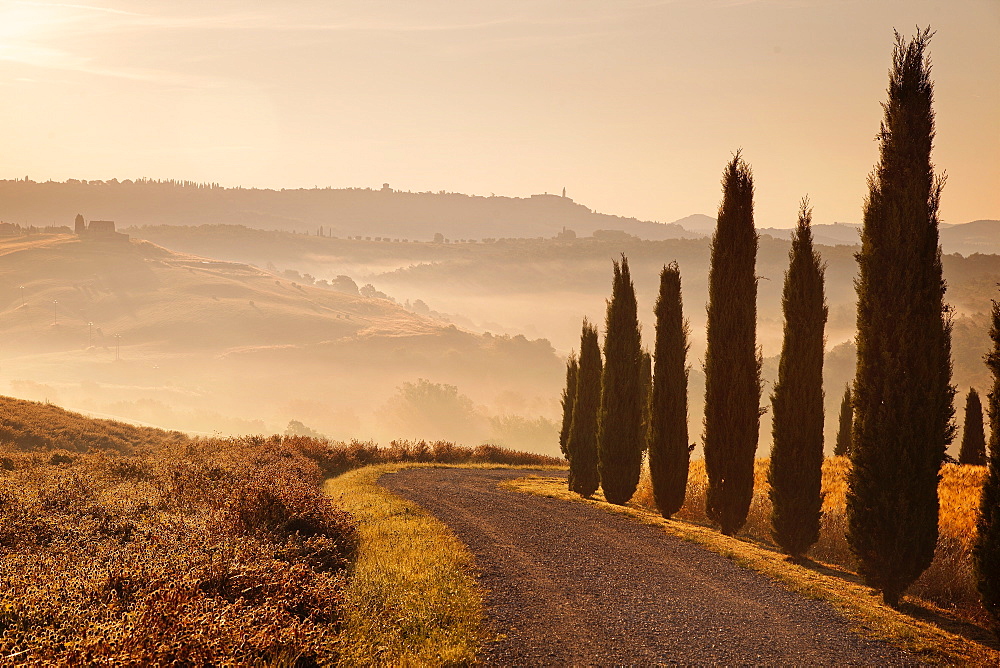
pixel 234 329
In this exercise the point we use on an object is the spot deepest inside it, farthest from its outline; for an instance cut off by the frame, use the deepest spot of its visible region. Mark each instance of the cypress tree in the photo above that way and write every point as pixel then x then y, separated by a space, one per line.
pixel 669 455
pixel 903 398
pixel 619 425
pixel 582 442
pixel 843 446
pixel 796 470
pixel 732 361
pixel 568 399
pixel 987 550
pixel 973 449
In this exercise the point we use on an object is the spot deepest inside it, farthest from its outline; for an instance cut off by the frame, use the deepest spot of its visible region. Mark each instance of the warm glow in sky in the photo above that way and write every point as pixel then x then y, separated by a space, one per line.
pixel 633 105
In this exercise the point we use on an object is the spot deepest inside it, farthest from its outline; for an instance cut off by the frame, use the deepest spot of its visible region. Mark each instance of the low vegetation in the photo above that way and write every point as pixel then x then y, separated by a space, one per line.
pixel 136 546
pixel 195 553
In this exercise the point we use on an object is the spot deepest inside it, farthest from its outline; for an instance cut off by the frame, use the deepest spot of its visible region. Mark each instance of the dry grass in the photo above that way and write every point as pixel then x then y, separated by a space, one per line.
pixel 921 629
pixel 29 425
pixel 200 553
pixel 411 599
pixel 950 581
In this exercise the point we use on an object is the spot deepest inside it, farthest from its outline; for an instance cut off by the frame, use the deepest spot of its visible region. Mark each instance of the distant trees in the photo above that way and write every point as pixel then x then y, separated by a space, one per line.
pixel 987 550
pixel 344 284
pixel 903 398
pixel 973 450
pixel 296 428
pixel 796 469
pixel 845 425
pixel 669 455
pixel 568 399
pixel 438 411
pixel 619 426
pixel 584 477
pixel 646 383
pixel 732 361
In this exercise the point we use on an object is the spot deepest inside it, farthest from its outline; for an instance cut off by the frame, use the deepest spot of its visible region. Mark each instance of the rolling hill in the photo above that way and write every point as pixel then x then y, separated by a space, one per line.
pixel 170 301
pixel 132 330
pixel 340 212
pixel 543 287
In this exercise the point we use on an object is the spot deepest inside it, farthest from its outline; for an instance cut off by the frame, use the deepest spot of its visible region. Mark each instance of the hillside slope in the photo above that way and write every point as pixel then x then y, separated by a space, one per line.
pixel 53 286
pixel 544 287
pixel 136 331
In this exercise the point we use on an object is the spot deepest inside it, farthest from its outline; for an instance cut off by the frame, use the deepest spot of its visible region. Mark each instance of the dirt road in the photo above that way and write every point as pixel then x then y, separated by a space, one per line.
pixel 571 584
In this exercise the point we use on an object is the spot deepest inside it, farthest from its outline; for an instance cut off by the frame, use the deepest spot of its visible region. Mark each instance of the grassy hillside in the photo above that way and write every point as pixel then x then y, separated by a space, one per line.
pixel 30 426
pixel 154 297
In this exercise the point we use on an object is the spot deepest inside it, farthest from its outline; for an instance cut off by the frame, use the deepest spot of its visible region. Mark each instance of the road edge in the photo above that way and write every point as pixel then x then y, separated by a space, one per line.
pixel 412 596
pixel 854 601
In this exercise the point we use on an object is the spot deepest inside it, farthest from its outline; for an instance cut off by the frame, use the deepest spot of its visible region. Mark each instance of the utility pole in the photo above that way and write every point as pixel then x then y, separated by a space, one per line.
pixel 91 326
pixel 22 295
pixel 118 343
pixel 55 311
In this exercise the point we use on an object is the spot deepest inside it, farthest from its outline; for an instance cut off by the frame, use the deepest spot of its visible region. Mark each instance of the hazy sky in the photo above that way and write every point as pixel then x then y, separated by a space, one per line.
pixel 633 105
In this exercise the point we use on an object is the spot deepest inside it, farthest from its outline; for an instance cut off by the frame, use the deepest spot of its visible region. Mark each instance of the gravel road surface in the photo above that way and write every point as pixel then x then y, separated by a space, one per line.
pixel 571 584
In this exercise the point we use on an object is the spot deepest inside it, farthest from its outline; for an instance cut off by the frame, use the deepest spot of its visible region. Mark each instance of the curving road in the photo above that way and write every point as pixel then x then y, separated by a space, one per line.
pixel 570 584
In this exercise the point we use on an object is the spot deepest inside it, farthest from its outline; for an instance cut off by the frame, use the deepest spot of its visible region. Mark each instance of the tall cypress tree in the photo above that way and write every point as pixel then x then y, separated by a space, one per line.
pixel 568 399
pixel 796 470
pixel 582 442
pixel 903 398
pixel 669 455
pixel 732 361
pixel 619 426
pixel 973 449
pixel 846 425
pixel 986 553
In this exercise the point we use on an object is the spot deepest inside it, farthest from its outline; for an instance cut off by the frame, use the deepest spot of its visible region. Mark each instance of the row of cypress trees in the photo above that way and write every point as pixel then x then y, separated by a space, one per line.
pixel 611 413
pixel 733 384
pixel 897 419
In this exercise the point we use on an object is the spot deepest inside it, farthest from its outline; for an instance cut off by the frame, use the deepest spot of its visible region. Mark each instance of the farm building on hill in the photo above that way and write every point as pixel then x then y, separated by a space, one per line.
pixel 98 230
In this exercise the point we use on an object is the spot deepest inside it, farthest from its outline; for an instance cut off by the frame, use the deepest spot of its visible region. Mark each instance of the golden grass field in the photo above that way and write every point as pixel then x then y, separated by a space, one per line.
pixel 949 582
